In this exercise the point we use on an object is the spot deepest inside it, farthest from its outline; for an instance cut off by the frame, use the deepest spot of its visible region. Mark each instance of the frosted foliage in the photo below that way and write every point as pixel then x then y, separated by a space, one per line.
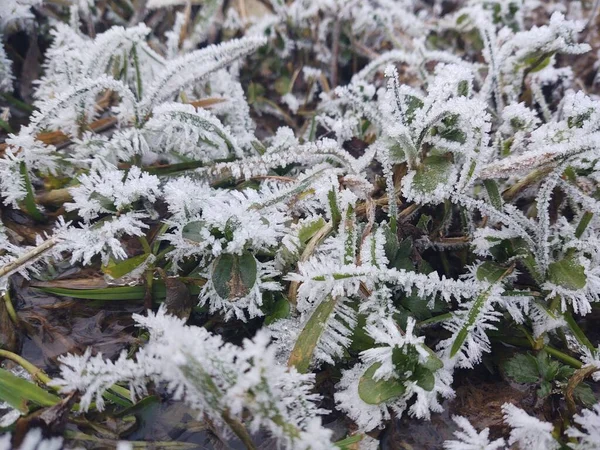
pixel 105 191
pixel 383 190
pixel 527 431
pixel 6 76
pixel 34 440
pixel 587 432
pixel 467 437
pixel 212 376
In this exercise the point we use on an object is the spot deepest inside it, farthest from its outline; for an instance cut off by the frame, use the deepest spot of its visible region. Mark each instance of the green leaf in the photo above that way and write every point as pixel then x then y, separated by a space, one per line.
pixel 360 339
pixel 490 272
pixel 255 91
pixel 412 105
pixel 545 389
pixel 493 193
pixel 282 85
pixel 336 215
pixel 547 367
pixel 583 223
pixel 424 378
pixel 104 201
pixel 193 231
pixel 579 120
pixel 310 229
pixel 350 442
pixel 417 306
pixel 423 223
pixel 115 293
pixel 472 315
pixel 434 171
pixel 585 395
pixel 391 242
pixel 433 363
pixel 567 273
pixel 234 276
pixel 310 335
pixel 280 310
pixel 541 64
pixel 118 269
pixel 402 259
pixel 376 392
pixel 396 152
pixel 29 201
pixel 522 368
pixel 19 393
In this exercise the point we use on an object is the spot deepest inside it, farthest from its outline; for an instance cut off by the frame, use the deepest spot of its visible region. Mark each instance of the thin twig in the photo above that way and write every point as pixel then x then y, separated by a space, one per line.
pixel 28 257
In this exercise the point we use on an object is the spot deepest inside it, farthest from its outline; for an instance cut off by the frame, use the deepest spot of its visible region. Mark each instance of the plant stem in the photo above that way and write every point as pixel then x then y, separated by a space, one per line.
pixel 578 332
pixel 10 307
pixel 525 343
pixel 531 178
pixel 239 430
pixel 37 373
pixel 563 357
pixel 574 381
pixel 55 197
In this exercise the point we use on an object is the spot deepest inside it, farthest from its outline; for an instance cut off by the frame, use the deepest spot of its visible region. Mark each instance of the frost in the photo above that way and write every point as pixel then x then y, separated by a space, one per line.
pixel 469 439
pixel 106 191
pixel 589 435
pixel 527 431
pixel 214 377
pixel 338 178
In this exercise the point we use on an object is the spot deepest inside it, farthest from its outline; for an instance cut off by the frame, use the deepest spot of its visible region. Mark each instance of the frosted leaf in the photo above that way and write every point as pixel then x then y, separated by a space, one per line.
pixel 6 76
pixel 175 77
pixel 111 190
pixel 476 317
pixel 587 432
pixel 14 13
pixel 190 132
pixel 85 241
pixel 469 439
pixel 211 376
pixel 579 299
pixel 527 431
pixel 241 307
pixel 347 399
pixel 371 416
pixel 23 150
pixel 387 333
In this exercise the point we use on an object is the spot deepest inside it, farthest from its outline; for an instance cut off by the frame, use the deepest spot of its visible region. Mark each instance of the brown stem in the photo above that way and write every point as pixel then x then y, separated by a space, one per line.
pixel 574 381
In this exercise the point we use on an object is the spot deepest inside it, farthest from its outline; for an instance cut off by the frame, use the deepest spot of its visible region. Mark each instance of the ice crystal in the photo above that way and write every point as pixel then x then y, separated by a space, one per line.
pixel 528 431
pixel 212 376
pixel 467 437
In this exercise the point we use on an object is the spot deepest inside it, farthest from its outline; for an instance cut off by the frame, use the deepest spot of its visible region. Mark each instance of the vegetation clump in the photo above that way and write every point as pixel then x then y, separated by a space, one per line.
pixel 319 213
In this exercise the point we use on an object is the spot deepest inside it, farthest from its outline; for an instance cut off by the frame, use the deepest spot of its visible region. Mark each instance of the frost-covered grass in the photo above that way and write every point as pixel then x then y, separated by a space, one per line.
pixel 382 191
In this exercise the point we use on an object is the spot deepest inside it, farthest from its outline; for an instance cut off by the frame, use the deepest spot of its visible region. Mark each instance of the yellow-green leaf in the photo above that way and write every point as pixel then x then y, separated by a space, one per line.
pixel 118 269
pixel 19 393
pixel 567 273
pixel 309 337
